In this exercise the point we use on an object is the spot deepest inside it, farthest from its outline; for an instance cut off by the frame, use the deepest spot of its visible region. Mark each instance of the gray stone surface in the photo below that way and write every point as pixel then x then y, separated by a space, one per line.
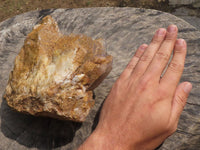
pixel 189 10
pixel 195 21
pixel 123 29
pixel 192 16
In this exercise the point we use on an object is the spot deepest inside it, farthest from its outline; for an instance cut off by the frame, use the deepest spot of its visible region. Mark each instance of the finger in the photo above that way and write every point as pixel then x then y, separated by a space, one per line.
pixel 146 58
pixel 173 73
pixel 131 65
pixel 179 100
pixel 162 56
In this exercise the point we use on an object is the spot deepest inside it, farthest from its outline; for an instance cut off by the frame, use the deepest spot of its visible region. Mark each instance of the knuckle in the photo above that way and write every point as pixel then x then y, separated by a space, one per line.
pixel 145 58
pixel 156 40
pixel 144 83
pixel 121 84
pixel 170 37
pixel 138 54
pixel 180 100
pixel 179 50
pixel 163 93
pixel 176 67
pixel 130 66
pixel 162 55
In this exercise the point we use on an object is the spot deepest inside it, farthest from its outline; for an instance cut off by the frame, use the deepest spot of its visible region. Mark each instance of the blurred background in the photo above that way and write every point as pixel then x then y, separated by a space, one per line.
pixel 188 10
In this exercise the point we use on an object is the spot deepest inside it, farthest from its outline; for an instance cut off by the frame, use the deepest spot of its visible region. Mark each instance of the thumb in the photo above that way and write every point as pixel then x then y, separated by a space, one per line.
pixel 179 100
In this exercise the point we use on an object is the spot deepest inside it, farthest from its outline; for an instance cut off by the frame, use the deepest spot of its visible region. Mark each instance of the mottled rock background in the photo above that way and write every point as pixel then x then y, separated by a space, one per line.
pixel 123 29
pixel 185 2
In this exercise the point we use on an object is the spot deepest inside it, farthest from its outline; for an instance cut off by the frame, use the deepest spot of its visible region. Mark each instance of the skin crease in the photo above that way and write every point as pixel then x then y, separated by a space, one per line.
pixel 143 109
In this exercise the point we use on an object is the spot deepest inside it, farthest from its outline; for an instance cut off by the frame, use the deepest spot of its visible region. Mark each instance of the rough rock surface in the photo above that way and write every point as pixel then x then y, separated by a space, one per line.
pixel 123 29
pixel 190 15
pixel 54 74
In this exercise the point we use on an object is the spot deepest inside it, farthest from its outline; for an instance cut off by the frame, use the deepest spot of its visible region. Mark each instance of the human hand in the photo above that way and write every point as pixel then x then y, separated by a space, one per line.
pixel 143 109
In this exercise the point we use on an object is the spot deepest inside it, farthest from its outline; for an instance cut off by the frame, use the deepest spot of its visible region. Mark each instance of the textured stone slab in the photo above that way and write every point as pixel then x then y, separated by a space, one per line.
pixel 185 13
pixel 123 29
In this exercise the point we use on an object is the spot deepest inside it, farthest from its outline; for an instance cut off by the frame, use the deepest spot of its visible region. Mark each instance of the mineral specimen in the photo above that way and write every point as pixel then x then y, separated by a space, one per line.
pixel 54 74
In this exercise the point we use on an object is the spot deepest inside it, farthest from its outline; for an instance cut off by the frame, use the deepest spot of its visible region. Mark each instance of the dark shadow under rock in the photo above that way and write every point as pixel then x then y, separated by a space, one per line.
pixel 38 132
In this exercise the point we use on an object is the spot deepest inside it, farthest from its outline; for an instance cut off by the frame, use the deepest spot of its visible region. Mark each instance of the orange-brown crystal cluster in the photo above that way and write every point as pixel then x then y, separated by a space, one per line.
pixel 54 74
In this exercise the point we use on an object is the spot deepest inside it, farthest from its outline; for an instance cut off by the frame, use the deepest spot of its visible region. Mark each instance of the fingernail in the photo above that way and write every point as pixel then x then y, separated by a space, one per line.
pixel 187 87
pixel 180 42
pixel 161 31
pixel 143 46
pixel 172 28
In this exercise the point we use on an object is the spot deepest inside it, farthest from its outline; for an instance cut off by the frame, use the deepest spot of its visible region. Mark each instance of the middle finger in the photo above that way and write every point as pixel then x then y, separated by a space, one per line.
pixel 162 56
pixel 146 58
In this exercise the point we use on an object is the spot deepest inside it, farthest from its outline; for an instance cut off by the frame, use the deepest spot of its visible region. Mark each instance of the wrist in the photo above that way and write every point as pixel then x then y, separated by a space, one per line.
pixel 99 140
pixel 95 141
